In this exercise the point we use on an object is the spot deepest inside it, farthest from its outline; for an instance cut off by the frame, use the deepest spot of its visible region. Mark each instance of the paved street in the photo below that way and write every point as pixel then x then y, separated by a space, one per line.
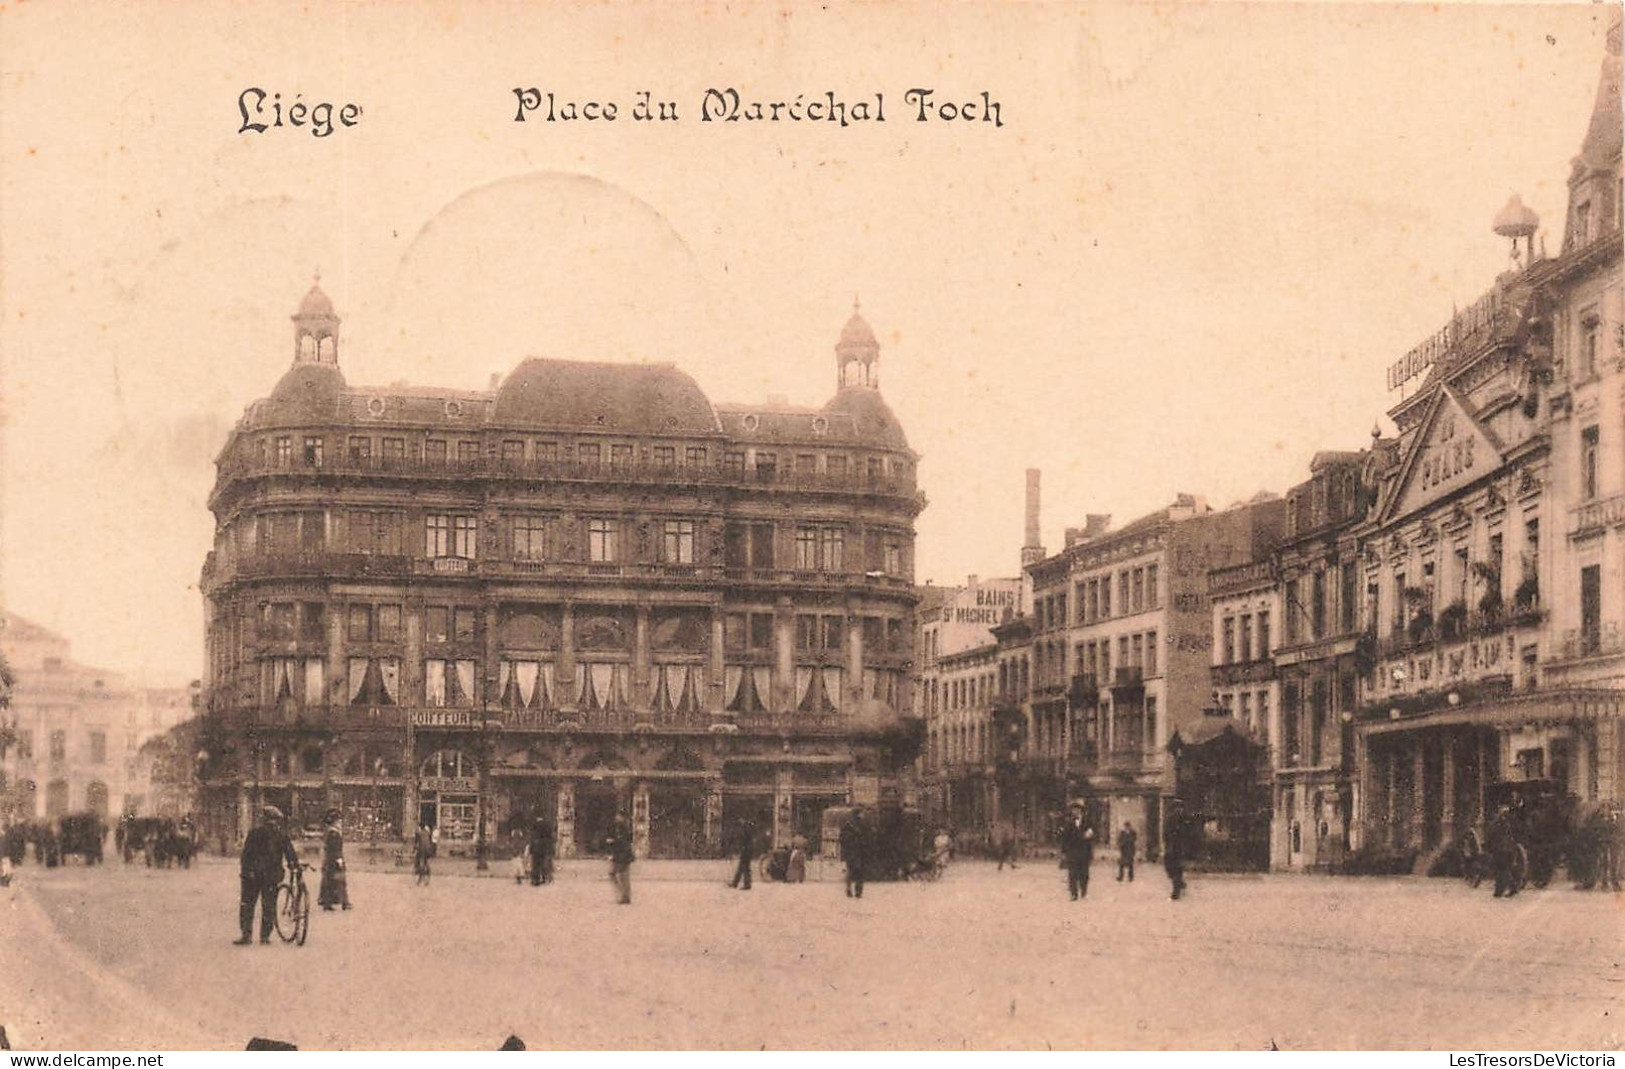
pixel 132 957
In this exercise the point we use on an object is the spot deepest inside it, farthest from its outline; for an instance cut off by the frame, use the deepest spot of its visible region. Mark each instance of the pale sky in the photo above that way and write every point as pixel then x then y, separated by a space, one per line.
pixel 1182 264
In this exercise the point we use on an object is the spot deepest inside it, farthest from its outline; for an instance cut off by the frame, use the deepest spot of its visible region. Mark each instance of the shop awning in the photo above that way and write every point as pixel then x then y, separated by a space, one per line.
pixel 1511 710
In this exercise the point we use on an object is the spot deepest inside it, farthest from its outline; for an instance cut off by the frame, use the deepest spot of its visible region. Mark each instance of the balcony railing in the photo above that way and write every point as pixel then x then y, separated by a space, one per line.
pixel 1579 644
pixel 293 718
pixel 1084 690
pixel 859 481
pixel 1131 678
pixel 400 566
pixel 1593 516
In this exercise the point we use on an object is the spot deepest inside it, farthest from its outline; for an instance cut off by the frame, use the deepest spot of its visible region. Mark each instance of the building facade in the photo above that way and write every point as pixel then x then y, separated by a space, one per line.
pixel 79 730
pixel 1121 645
pixel 958 688
pixel 586 591
pixel 1495 562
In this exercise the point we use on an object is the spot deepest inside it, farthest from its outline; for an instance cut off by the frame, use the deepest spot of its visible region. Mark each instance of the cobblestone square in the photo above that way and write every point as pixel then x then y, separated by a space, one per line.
pixel 136 958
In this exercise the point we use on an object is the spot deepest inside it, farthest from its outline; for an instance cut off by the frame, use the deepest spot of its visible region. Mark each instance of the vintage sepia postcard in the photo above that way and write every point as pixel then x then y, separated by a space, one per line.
pixel 785 526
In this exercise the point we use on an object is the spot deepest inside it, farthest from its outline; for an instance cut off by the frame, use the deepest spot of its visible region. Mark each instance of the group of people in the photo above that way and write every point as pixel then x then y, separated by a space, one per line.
pixel 160 841
pixel 1077 842
pixel 534 858
pixel 267 858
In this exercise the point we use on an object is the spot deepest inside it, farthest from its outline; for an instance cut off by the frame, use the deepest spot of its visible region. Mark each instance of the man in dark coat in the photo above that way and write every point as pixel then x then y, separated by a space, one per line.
pixel 619 845
pixel 264 850
pixel 745 846
pixel 335 880
pixel 541 852
pixel 1077 852
pixel 854 844
pixel 1504 852
pixel 1127 840
pixel 1173 853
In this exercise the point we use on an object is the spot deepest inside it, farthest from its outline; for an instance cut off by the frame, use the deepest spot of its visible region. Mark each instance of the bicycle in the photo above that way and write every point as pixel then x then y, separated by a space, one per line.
pixel 293 906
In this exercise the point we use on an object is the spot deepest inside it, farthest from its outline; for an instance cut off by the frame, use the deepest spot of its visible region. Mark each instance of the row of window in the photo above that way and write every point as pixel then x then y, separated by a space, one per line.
pixel 360 450
pixel 1245 637
pixel 1138 590
pixel 1133 651
pixel 58 743
pixel 287 620
pixel 542 537
pixel 1251 708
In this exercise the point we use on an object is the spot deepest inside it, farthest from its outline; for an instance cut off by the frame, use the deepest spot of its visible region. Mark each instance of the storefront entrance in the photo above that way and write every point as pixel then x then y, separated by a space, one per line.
pixel 597 803
pixel 677 820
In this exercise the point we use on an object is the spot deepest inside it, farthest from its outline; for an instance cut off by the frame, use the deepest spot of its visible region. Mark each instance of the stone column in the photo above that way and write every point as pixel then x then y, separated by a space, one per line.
pixel 493 654
pixel 784 656
pixel 1418 790
pixel 713 815
pixel 1447 788
pixel 1606 747
pixel 640 819
pixel 853 684
pixel 1363 780
pixel 783 829
pixel 1391 817
pixel 566 822
pixel 641 688
pixel 338 665
pixel 564 672
pixel 715 686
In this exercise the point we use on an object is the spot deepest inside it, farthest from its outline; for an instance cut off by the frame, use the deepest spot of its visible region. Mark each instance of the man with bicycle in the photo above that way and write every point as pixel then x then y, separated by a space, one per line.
pixel 264 851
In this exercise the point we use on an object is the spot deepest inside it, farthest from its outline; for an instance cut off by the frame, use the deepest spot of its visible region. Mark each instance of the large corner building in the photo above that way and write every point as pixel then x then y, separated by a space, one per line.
pixel 588 590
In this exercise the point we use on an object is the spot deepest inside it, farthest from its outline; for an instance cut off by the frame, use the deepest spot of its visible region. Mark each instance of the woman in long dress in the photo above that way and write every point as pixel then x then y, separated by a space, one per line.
pixel 335 885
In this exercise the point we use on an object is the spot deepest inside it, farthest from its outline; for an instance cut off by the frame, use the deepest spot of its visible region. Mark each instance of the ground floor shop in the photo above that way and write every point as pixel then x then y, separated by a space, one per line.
pixel 686 796
pixel 1423 780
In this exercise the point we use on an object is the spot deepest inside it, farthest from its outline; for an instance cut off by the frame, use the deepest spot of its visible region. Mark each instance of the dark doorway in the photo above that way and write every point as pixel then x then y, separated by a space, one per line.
pixel 677 821
pixel 597 803
pixel 738 808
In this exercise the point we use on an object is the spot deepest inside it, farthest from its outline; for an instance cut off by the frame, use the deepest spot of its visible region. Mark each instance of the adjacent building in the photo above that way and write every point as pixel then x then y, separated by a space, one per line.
pixel 1121 641
pixel 585 591
pixel 78 730
pixel 957 692
pixel 1495 560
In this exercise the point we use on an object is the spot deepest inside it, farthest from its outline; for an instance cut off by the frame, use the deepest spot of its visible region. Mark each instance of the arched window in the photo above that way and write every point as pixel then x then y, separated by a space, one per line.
pixel 307 347
pixel 328 349
pixel 311 760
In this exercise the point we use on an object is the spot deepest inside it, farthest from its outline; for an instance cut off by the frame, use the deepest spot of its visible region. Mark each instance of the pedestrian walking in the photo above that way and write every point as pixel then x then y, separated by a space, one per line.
pixel 1173 854
pixel 422 851
pixel 1504 853
pixel 1127 840
pixel 745 847
pixel 541 851
pixel 519 865
pixel 265 849
pixel 619 844
pixel 1007 846
pixel 854 848
pixel 335 880
pixel 1077 851
pixel 795 871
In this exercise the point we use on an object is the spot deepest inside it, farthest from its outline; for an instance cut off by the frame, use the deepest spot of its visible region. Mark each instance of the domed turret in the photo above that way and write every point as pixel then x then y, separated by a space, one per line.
pixel 857 354
pixel 316 329
pixel 1518 220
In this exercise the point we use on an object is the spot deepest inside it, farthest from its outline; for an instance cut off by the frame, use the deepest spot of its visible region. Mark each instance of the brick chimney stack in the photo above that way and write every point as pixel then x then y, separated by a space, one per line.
pixel 1032 551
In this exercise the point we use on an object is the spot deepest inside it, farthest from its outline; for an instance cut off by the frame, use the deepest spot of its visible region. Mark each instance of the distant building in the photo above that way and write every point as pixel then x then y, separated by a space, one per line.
pixel 1121 641
pixel 957 690
pixel 582 592
pixel 79 730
